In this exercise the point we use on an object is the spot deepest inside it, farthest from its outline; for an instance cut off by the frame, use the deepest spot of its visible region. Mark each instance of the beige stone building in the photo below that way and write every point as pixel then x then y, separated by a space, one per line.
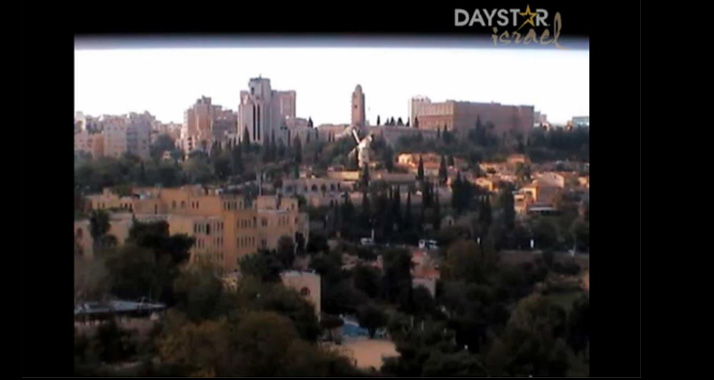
pixel 206 123
pixel 89 143
pixel 358 108
pixel 226 226
pixel 461 116
pixel 307 284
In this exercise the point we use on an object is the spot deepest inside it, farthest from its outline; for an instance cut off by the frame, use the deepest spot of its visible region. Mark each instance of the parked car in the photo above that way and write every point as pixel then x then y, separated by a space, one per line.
pixel 366 242
pixel 428 244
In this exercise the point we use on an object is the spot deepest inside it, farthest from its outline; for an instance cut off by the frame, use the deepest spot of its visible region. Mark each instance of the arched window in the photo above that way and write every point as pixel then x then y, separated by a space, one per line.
pixel 305 291
pixel 314 188
pixel 332 187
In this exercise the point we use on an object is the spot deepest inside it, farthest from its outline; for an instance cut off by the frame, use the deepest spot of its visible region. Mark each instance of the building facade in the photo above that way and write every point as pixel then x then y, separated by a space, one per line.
pixel 358 107
pixel 461 116
pixel 307 284
pixel 263 111
pixel 206 123
pixel 225 226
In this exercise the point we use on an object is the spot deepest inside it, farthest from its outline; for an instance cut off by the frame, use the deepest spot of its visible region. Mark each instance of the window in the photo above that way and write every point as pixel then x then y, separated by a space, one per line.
pixel 173 205
pixel 183 204
pixel 264 222
pixel 305 291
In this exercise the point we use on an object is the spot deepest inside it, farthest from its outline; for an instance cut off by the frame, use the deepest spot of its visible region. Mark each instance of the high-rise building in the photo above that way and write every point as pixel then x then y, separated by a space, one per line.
pixel 263 111
pixel 204 124
pixel 138 133
pixel 358 113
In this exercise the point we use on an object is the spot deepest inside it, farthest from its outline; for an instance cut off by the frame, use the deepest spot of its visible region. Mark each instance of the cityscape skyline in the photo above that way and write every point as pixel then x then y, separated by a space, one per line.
pixel 166 82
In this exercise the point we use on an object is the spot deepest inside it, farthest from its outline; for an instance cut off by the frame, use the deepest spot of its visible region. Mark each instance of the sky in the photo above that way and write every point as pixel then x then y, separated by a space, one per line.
pixel 167 81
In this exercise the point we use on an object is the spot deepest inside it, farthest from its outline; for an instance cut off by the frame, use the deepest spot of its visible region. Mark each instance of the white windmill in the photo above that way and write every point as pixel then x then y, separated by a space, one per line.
pixel 362 148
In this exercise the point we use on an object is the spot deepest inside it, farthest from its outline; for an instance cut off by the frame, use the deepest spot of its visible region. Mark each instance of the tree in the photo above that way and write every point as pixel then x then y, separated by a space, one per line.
pixel 367 279
pixel 309 122
pixel 245 141
pixel 436 222
pixel 578 328
pixel 438 133
pixel 424 303
pixel 365 177
pixel 397 279
pixel 331 323
pixel 288 302
pixel 443 174
pixel 263 264
pixel 371 317
pixel 533 342
pixel 484 213
pixel 378 122
pixel 469 262
pixel 200 293
pixel 132 273
pixel 298 150
pixel 98 223
pixel 236 163
pixel 366 210
pixel 286 251
pixel 98 226
pixel 198 170
pixel 507 204
pixel 407 225
pixel 416 122
pixel 420 169
pixel 222 166
pixel 400 122
pixel 162 144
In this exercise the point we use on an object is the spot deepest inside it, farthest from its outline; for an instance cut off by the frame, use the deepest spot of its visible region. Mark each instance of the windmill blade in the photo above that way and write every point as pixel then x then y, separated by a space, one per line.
pixel 356 136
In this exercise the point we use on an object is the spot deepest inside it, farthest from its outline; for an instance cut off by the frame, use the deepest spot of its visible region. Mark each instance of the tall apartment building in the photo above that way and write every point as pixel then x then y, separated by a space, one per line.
pixel 89 143
pixel 127 134
pixel 263 111
pixel 461 116
pixel 138 133
pixel 225 226
pixel 205 123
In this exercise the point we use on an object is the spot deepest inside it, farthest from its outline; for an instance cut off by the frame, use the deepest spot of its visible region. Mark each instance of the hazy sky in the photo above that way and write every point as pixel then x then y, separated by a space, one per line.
pixel 167 81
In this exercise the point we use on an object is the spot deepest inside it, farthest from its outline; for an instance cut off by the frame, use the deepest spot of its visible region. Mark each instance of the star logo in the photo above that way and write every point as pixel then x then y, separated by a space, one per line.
pixel 529 17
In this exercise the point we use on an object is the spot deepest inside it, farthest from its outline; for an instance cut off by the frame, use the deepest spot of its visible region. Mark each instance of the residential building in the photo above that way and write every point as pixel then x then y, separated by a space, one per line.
pixel 206 123
pixel 263 111
pixel 225 226
pixel 89 143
